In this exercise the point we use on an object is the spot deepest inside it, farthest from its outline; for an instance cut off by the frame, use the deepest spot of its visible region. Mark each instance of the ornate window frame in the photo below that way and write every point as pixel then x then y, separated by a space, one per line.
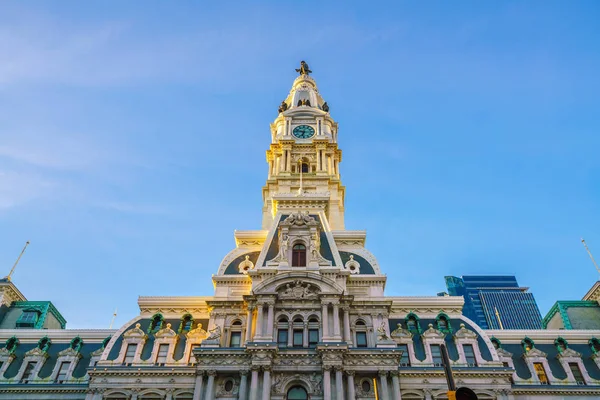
pixel 182 324
pixel 466 336
pixel 152 328
pixel 368 328
pixel 566 356
pixel 235 328
pixel 222 392
pixel 418 330
pixel 537 356
pixel 7 354
pixel 71 355
pixel 432 336
pixel 164 336
pixel 405 337
pixel 445 317
pixel 39 355
pixel 283 323
pixel 134 336
pixel 193 338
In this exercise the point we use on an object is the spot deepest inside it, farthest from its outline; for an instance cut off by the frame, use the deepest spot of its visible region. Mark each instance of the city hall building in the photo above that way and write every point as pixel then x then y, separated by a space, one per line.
pixel 299 311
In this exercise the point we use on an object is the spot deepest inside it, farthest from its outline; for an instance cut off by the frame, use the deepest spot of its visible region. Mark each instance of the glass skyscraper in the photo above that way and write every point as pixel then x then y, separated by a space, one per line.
pixel 496 301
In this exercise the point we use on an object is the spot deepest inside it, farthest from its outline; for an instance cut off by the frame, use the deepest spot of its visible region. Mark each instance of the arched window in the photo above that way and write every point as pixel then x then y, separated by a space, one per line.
pixel 595 345
pixel 527 344
pixel 361 334
pixel 496 343
pixel 298 332
pixel 297 393
pixel 157 323
pixel 235 339
pixel 313 332
pixel 443 323
pixel 76 343
pixel 412 323
pixel 299 255
pixel 186 323
pixel 44 343
pixel 561 344
pixel 11 344
pixel 282 332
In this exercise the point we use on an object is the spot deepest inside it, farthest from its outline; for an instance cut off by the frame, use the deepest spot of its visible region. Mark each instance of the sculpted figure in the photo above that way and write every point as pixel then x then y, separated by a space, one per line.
pixel 215 333
pixel 282 107
pixel 381 333
pixel 303 70
pixel 325 107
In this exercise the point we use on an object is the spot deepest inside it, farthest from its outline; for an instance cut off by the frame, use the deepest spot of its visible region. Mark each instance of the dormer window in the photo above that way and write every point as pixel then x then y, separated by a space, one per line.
pixel 412 323
pixel 561 345
pixel 299 255
pixel 157 323
pixel 28 319
pixel 443 323
pixel 527 345
pixel 186 323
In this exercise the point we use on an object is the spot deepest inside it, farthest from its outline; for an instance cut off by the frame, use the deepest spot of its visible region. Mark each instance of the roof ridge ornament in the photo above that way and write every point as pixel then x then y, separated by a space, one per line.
pixel 304 69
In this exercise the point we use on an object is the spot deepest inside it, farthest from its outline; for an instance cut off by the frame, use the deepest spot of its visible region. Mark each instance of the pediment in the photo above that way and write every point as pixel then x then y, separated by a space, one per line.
pixel 318 283
pixel 464 333
pixel 70 352
pixel 535 353
pixel 36 352
pixel 165 332
pixel 433 333
pixel 298 290
pixel 503 353
pixel 136 332
pixel 401 333
pixel 97 352
pixel 569 353
pixel 197 333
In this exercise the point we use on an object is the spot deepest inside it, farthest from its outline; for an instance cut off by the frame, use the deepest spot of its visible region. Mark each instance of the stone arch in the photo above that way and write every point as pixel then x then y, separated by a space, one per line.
pixel 182 392
pixel 299 381
pixel 152 391
pixel 487 393
pixel 277 282
pixel 117 392
pixel 413 393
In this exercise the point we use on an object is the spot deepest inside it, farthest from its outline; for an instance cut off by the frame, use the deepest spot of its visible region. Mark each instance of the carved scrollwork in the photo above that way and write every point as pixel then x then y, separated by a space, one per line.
pixel 299 291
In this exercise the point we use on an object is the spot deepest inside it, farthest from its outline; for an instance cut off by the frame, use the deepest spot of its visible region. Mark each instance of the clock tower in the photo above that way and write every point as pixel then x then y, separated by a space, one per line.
pixel 304 157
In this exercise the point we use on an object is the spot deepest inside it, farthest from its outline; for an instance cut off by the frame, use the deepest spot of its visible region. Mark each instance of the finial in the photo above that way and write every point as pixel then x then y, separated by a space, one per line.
pixel 16 262
pixel 303 70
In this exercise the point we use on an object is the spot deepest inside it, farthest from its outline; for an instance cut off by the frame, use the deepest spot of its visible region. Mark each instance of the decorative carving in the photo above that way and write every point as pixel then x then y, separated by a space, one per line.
pixel 464 333
pixel 282 107
pixel 299 291
pixel 299 219
pixel 352 265
pixel 401 333
pixel 165 332
pixel 245 266
pixel 533 353
pixel 381 332
pixel 135 332
pixel 325 107
pixel 568 352
pixel 198 333
pixel 215 333
pixel 433 333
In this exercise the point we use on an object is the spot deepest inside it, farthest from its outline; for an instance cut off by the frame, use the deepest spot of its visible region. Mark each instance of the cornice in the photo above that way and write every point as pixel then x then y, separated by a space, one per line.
pixel 56 335
pixel 166 302
pixel 546 336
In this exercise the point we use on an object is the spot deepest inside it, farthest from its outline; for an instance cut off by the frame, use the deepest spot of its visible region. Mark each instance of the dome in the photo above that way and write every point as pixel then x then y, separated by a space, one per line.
pixel 304 93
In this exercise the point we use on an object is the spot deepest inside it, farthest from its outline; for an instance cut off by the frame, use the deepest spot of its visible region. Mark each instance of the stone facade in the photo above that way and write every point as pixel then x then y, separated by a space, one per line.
pixel 299 311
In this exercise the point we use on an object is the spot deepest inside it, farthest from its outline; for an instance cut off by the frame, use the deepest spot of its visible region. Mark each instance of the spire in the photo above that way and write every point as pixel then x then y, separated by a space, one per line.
pixel 304 93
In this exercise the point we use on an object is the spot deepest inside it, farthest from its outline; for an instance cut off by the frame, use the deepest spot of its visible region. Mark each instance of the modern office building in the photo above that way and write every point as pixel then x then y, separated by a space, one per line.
pixel 299 312
pixel 496 301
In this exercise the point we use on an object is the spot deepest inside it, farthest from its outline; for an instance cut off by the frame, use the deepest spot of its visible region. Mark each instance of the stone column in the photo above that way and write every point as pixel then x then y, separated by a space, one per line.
pixel 270 169
pixel 254 383
pixel 339 383
pixel 326 382
pixel 198 386
pixel 329 168
pixel 243 384
pixel 290 333
pixel 383 386
pixel 270 316
pixel 210 385
pixel 169 395
pixel 266 394
pixel 305 335
pixel 325 321
pixel 396 385
pixel 249 325
pixel 350 382
pixel 347 337
pixel 336 320
pixel 259 321
pixel 134 396
pixel 428 395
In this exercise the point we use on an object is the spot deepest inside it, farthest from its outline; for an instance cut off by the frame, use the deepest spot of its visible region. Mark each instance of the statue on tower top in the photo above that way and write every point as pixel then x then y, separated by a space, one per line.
pixel 303 70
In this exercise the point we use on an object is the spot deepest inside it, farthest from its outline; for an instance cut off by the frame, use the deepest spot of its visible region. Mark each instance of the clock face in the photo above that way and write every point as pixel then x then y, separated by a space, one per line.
pixel 304 132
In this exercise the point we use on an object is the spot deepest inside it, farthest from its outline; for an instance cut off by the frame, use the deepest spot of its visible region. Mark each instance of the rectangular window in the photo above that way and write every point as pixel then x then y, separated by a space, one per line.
pixel 577 373
pixel 27 319
pixel 27 374
pixel 436 355
pixel 236 339
pixel 313 337
pixel 62 372
pixel 404 359
pixel 282 337
pixel 130 353
pixel 470 355
pixel 541 373
pixel 361 339
pixel 297 338
pixel 163 349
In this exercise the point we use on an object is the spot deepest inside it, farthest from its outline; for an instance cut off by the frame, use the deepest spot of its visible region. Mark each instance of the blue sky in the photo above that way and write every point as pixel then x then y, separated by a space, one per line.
pixel 132 139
